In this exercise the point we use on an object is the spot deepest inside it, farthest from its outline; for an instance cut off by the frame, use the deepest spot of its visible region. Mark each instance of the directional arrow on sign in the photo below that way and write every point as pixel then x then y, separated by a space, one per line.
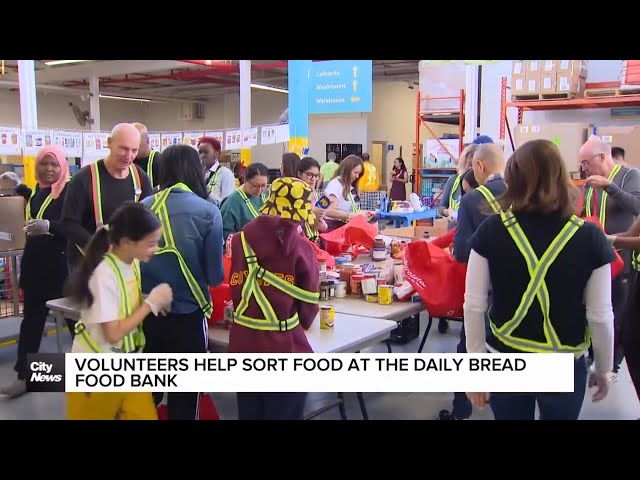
pixel 355 71
pixel 355 99
pixel 355 85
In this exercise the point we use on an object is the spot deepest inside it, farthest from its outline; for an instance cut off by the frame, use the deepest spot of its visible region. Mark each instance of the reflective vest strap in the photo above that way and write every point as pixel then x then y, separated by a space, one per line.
pixel 81 331
pixel 43 207
pixel 137 183
pixel 213 181
pixel 635 260
pixel 354 205
pixel 489 197
pixel 96 194
pixel 602 214
pixel 453 203
pixel 152 154
pixel 250 206
pixel 536 288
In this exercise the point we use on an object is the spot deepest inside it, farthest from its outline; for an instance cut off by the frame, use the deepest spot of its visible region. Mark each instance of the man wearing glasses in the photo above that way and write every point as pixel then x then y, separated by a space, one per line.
pixel 612 194
pixel 244 203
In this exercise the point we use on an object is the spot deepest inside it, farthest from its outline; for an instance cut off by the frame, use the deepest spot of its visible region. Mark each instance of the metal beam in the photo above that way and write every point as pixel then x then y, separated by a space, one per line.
pixel 103 69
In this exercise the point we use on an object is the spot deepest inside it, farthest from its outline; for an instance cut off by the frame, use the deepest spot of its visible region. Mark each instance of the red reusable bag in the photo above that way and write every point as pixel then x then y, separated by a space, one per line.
pixel 436 277
pixel 321 255
pixel 206 409
pixel 618 264
pixel 357 235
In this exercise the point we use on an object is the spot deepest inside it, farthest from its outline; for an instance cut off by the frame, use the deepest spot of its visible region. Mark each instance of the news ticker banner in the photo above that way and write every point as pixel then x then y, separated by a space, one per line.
pixel 337 372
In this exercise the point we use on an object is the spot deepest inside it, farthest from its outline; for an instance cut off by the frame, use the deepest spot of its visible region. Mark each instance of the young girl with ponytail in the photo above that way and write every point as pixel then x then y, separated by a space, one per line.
pixel 107 287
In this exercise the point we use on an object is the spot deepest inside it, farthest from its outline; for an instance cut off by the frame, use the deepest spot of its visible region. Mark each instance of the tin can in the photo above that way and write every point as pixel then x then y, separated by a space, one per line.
pixel 327 317
pixel 371 298
pixel 356 285
pixel 381 281
pixel 341 289
pixel 385 294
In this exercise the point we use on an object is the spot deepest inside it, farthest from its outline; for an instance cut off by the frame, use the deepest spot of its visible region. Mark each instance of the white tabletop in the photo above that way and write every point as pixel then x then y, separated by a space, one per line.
pixel 350 334
pixel 65 306
pixel 359 306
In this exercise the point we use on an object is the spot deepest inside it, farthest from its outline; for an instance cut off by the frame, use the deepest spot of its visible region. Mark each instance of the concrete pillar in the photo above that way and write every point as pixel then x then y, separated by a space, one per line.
pixel 94 102
pixel 28 112
pixel 245 108
pixel 299 107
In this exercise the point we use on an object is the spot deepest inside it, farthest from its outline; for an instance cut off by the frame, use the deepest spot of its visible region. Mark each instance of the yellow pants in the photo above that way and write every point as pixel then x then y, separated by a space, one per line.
pixel 111 406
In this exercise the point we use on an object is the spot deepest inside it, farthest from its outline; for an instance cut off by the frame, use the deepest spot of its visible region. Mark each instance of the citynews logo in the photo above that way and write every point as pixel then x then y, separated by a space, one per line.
pixel 46 372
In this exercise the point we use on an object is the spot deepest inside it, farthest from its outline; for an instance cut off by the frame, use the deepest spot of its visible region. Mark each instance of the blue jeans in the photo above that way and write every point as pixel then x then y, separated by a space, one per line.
pixel 462 407
pixel 553 406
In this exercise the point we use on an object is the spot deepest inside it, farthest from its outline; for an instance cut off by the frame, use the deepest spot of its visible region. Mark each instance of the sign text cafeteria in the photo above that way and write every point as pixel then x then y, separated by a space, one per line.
pixel 340 86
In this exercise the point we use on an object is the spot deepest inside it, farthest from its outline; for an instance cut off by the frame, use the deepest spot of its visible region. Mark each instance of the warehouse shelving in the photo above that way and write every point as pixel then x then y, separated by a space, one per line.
pixel 445 116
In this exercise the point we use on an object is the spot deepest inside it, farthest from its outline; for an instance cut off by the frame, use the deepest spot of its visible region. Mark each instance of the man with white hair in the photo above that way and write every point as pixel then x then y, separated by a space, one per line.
pixel 97 190
pixel 612 193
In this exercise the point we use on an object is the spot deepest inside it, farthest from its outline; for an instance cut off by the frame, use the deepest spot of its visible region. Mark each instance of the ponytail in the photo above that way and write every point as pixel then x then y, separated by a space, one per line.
pixel 78 285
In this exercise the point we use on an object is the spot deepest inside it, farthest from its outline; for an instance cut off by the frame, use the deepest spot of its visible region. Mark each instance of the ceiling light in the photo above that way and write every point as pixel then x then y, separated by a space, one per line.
pixel 115 97
pixel 267 87
pixel 62 62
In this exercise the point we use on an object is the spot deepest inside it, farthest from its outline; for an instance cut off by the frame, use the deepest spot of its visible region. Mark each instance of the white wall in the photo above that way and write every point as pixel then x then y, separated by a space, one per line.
pixel 598 71
pixel 346 128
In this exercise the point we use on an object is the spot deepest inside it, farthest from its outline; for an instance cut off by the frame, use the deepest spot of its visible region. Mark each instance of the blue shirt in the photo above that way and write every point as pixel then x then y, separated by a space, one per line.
pixel 197 231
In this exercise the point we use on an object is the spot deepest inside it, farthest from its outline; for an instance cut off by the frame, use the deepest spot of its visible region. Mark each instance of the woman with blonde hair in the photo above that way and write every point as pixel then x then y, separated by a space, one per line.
pixel 541 278
pixel 342 192
pixel 453 189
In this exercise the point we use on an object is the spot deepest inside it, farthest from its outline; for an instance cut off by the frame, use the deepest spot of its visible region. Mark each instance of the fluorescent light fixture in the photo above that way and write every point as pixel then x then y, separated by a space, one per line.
pixel 115 97
pixel 267 87
pixel 62 62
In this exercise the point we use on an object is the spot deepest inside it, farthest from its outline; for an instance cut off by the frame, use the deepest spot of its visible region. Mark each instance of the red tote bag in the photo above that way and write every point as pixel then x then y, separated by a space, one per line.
pixel 357 235
pixel 618 264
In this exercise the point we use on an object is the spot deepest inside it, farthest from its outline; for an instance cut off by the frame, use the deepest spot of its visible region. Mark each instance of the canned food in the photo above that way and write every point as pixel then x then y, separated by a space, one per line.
pixel 385 294
pixel 327 317
pixel 341 289
pixel 371 298
pixel 356 285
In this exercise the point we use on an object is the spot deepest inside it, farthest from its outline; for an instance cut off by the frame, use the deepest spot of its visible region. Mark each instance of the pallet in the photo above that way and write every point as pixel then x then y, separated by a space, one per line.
pixel 610 92
pixel 545 96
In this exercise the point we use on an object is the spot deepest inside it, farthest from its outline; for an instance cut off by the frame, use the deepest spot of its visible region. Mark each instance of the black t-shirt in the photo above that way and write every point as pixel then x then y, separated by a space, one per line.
pixel 78 217
pixel 566 278
pixel 143 163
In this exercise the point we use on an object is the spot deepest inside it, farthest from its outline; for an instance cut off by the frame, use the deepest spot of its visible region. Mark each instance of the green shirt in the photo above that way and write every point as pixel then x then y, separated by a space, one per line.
pixel 327 170
pixel 236 214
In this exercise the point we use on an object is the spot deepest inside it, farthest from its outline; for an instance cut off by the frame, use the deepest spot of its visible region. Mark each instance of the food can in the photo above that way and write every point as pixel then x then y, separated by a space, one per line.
pixel 356 285
pixel 371 298
pixel 341 289
pixel 385 294
pixel 381 281
pixel 327 317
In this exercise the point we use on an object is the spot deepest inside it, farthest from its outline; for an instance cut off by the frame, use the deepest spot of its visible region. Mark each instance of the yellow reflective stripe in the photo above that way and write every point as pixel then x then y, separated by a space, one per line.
pixel 43 207
pixel 160 208
pixel 97 192
pixel 453 203
pixel 259 323
pixel 81 332
pixel 136 185
pixel 152 154
pixel 635 260
pixel 213 181
pixel 491 199
pixel 354 206
pixel 250 206
pixel 587 202
pixel 536 288
pixel 603 198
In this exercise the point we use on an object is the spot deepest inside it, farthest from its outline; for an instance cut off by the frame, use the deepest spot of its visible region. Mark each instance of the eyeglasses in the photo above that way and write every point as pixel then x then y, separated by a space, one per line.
pixel 311 176
pixel 261 187
pixel 588 160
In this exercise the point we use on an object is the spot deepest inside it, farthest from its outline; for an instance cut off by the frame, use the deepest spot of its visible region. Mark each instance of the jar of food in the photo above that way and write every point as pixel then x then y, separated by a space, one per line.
pixel 340 289
pixel 324 291
pixel 332 289
pixel 369 284
pixel 379 249
pixel 356 285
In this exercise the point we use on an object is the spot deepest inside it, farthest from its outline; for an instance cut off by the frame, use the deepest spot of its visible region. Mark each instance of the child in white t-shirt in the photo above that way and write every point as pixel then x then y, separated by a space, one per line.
pixel 107 286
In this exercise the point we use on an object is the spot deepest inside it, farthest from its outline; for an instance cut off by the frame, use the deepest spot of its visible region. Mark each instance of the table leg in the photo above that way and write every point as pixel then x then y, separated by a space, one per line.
pixel 426 334
pixel 15 289
pixel 363 407
pixel 388 346
pixel 341 407
pixel 59 329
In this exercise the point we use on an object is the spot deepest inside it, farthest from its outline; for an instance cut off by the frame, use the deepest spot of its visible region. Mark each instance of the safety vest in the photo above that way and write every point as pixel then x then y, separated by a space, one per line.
pixel 213 181
pixel 453 203
pixel 536 290
pixel 603 198
pixel 40 214
pixel 250 206
pixel 135 339
pixel 489 197
pixel 635 260
pixel 96 192
pixel 159 207
pixel 152 154
pixel 312 233
pixel 270 322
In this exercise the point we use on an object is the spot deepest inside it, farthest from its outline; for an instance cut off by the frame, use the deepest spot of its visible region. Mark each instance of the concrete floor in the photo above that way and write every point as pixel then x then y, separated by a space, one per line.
pixel 620 404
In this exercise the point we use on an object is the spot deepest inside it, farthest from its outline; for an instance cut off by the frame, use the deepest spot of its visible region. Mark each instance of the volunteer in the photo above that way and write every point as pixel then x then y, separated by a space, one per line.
pixel 97 190
pixel 289 164
pixel 147 158
pixel 43 268
pixel 219 180
pixel 487 165
pixel 612 194
pixel 453 191
pixel 369 181
pixel 309 172
pixel 549 275
pixel 343 193
pixel 189 259
pixel 631 324
pixel 275 295
pixel 399 179
pixel 243 204
pixel 328 169
pixel 107 287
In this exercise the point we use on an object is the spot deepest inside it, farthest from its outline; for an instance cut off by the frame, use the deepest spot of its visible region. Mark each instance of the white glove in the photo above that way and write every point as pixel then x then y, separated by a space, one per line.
pixel 601 382
pixel 12 177
pixel 37 227
pixel 453 214
pixel 160 299
pixel 611 239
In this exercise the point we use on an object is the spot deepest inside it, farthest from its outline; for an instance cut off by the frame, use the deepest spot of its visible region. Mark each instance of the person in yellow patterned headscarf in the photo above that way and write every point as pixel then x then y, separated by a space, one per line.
pixel 274 281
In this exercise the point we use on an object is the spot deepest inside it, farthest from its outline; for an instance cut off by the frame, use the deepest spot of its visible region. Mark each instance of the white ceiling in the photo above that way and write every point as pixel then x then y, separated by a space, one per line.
pixel 175 80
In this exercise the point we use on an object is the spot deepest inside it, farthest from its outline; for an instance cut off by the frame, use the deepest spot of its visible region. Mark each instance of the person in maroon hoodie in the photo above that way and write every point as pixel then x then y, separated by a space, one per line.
pixel 269 258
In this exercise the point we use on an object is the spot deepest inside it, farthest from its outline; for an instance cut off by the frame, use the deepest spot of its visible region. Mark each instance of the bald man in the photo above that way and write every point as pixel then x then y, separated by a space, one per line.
pixel 616 188
pixel 148 159
pixel 120 180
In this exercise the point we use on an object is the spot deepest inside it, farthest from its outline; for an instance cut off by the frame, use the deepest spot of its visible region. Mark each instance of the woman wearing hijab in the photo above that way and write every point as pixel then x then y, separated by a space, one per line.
pixel 44 265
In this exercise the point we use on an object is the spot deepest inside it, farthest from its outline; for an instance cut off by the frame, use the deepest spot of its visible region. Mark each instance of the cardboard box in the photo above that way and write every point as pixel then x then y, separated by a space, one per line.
pixel 624 137
pixel 414 233
pixel 518 83
pixel 570 83
pixel 549 67
pixel 532 84
pixel 533 66
pixel 548 83
pixel 569 137
pixel 518 67
pixel 572 67
pixel 434 155
pixel 12 237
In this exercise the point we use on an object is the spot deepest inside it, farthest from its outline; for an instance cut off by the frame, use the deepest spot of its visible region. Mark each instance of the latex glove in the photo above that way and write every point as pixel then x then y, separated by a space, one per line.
pixel 37 227
pixel 160 299
pixel 453 214
pixel 12 177
pixel 600 382
pixel 611 239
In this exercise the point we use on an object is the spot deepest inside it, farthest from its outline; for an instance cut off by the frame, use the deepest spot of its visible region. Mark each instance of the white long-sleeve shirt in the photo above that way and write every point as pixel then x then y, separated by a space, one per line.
pixel 225 182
